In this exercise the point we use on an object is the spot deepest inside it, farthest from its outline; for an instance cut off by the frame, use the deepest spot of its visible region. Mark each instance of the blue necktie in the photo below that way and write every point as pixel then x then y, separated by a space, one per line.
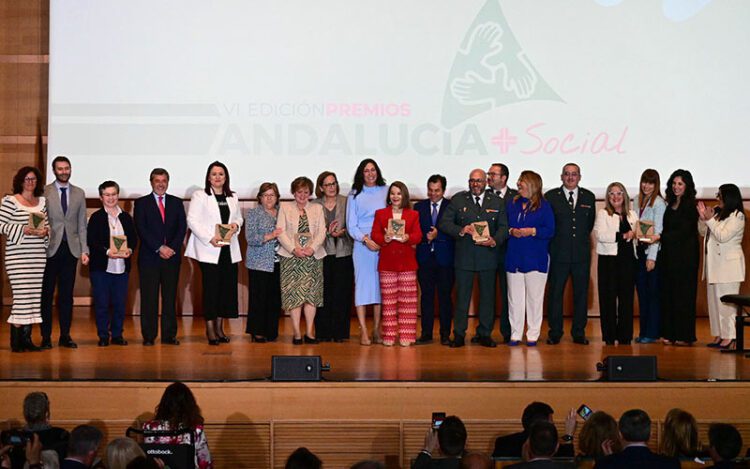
pixel 434 214
pixel 64 199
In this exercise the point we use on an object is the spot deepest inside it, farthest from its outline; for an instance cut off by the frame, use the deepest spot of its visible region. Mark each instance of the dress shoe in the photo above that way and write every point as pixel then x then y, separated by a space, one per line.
pixel 170 341
pixel 531 343
pixel 580 340
pixel 224 339
pixel 310 340
pixel 296 341
pixel 475 339
pixel 46 343
pixel 552 341
pixel 487 342
pixel 258 339
pixel 213 342
pixel 457 342
pixel 103 342
pixel 119 341
pixel 514 343
pixel 67 342
pixel 423 340
pixel 148 342
pixel 445 340
pixel 732 345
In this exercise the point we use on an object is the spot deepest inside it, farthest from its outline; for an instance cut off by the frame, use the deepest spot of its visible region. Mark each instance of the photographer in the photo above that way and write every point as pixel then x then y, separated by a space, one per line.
pixel 36 413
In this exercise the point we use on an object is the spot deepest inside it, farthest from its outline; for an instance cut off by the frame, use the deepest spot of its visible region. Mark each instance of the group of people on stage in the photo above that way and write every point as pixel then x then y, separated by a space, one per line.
pixel 303 256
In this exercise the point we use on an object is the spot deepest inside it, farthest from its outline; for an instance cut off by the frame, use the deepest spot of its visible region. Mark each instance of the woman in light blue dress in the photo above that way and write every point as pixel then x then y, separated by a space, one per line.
pixel 368 194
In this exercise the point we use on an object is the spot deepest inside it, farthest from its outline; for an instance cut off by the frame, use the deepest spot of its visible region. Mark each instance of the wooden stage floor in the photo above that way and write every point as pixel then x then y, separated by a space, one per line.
pixel 194 360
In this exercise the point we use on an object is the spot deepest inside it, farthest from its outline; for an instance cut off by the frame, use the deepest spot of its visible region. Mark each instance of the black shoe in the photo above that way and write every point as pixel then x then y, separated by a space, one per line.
pixel 487 342
pixel 223 338
pixel 553 340
pixel 423 340
pixel 148 342
pixel 213 342
pixel 103 342
pixel 259 339
pixel 580 340
pixel 445 340
pixel 46 343
pixel 475 339
pixel 310 340
pixel 297 341
pixel 170 341
pixel 457 342
pixel 119 341
pixel 26 342
pixel 67 342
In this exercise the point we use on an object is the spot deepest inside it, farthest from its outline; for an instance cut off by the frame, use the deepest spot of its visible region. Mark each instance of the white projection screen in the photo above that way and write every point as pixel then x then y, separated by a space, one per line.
pixel 282 88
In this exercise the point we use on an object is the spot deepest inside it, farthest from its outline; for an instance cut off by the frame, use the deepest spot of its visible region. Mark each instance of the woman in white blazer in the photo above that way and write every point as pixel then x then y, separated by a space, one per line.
pixel 215 204
pixel 302 238
pixel 615 229
pixel 724 264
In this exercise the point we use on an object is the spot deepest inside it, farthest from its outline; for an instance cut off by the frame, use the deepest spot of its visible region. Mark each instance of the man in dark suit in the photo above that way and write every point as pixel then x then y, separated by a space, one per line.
pixel 725 444
pixel 497 182
pixel 82 448
pixel 570 253
pixel 435 258
pixel 635 431
pixel 511 446
pixel 450 437
pixel 542 445
pixel 161 225
pixel 475 258
pixel 66 211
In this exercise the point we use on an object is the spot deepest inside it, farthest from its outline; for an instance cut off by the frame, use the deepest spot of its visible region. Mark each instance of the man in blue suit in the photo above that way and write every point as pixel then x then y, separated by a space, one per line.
pixel 435 258
pixel 161 225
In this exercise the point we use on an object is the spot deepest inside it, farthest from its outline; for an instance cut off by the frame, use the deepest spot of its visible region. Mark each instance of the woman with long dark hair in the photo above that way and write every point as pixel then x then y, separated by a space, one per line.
pixel 724 266
pixel 679 261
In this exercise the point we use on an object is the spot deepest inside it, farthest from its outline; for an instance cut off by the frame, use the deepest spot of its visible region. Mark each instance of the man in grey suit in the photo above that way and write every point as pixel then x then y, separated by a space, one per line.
pixel 66 210
pixel 471 257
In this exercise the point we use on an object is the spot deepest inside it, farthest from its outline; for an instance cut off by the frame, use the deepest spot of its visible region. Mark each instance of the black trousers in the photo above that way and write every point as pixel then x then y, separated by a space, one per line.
pixel 332 320
pixel 220 287
pixel 558 277
pixel 59 272
pixel 435 278
pixel 616 284
pixel 161 277
pixel 264 304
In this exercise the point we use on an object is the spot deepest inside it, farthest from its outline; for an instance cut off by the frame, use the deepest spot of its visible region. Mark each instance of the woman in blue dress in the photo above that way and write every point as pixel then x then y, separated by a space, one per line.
pixel 368 194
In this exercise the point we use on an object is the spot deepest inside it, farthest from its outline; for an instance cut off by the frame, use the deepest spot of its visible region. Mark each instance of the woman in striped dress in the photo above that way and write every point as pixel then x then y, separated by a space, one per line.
pixel 25 254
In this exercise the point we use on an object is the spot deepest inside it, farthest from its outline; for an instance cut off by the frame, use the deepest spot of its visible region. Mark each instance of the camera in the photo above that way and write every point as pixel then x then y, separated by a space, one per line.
pixel 15 437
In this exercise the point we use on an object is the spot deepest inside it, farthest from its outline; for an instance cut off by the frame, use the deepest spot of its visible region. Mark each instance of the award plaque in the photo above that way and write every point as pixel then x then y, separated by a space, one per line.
pixel 396 228
pixel 481 231
pixel 645 228
pixel 118 244
pixel 301 240
pixel 224 233
pixel 36 220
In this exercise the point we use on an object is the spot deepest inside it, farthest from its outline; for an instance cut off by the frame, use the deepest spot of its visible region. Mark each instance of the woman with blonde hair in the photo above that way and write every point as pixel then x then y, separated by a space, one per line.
pixel 614 231
pixel 680 439
pixel 121 452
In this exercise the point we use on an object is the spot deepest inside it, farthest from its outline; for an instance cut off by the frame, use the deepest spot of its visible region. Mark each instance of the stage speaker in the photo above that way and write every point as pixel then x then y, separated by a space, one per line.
pixel 630 368
pixel 295 368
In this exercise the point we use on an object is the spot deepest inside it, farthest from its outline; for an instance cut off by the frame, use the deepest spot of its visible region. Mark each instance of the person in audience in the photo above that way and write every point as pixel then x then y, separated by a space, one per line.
pixel 570 253
pixel 332 322
pixel 680 436
pixel 398 267
pixel 216 205
pixel 511 446
pixel 25 254
pixel 302 239
pixel 263 265
pixel 109 265
pixel 121 452
pixel 599 436
pixel 367 195
pixel 725 444
pixel 450 438
pixel 724 265
pixel 475 258
pixel 541 447
pixel 30 456
pixel 178 410
pixel 679 261
pixel 615 233
pixel 303 458
pixel 82 447
pixel 66 212
pixel 531 227
pixel 36 413
pixel 635 431
pixel 476 460
pixel 650 206
pixel 161 225
pixel 435 259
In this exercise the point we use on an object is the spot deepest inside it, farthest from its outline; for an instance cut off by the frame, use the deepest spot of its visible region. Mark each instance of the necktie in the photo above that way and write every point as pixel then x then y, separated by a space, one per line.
pixel 571 202
pixel 161 208
pixel 476 201
pixel 434 214
pixel 64 200
pixel 499 194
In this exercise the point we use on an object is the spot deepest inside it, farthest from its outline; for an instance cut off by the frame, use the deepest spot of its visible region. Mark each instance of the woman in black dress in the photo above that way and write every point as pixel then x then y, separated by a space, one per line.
pixel 678 261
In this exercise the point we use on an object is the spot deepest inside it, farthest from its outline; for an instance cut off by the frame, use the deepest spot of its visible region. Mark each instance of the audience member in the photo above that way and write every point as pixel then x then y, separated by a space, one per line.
pixel 476 461
pixel 121 452
pixel 635 431
pixel 303 458
pixel 725 443
pixel 510 446
pixel 450 438
pixel 82 447
pixel 599 436
pixel 36 412
pixel 540 447
pixel 680 438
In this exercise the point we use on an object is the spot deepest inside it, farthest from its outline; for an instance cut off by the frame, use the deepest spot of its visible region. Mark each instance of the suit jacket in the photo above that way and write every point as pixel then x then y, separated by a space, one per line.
pixel 73 222
pixel 202 218
pixel 461 211
pixel 443 244
pixel 509 194
pixel 511 446
pixel 637 456
pixel 724 261
pixel 288 221
pixel 543 464
pixel 572 241
pixel 606 228
pixel 396 256
pixel 153 232
pixel 99 239
pixel 72 464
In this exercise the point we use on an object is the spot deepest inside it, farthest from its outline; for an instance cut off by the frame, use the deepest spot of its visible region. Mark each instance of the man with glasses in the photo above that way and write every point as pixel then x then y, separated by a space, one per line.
pixel 475 257
pixel 570 253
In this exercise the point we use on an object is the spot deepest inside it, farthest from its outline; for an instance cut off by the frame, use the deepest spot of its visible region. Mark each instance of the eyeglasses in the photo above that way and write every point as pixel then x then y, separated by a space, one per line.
pixel 331 184
pixel 477 181
pixel 268 195
pixel 566 173
pixel 29 179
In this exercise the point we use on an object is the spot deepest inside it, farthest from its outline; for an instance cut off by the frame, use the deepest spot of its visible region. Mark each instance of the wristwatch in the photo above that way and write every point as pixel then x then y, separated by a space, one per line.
pixel 567 438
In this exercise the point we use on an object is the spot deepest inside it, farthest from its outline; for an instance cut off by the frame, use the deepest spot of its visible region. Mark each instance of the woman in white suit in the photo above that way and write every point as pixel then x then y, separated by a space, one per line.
pixel 724 263
pixel 214 205
pixel 615 229
pixel 302 238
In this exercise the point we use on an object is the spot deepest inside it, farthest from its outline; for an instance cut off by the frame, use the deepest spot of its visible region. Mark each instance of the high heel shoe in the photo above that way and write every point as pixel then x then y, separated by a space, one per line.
pixel 223 338
pixel 296 341
pixel 376 339
pixel 310 340
pixel 258 339
pixel 213 341
pixel 732 345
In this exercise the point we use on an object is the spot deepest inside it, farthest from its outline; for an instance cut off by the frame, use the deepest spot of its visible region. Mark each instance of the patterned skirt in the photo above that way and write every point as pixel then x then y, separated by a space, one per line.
pixel 301 282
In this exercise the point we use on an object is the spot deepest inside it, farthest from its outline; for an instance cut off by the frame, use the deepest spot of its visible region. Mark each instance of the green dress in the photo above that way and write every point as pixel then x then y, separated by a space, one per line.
pixel 301 277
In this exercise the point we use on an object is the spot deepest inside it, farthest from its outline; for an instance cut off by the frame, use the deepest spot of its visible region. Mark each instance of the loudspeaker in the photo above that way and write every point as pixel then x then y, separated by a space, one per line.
pixel 295 368
pixel 630 368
